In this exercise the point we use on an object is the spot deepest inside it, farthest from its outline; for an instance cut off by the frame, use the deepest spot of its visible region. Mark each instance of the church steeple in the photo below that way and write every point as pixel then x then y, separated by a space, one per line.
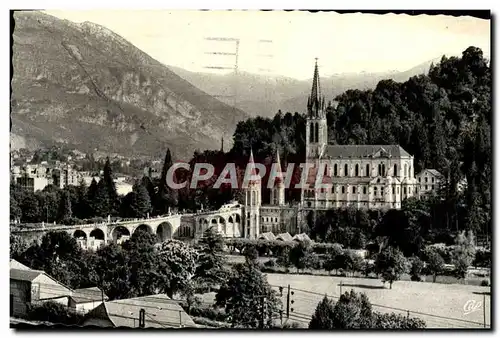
pixel 315 102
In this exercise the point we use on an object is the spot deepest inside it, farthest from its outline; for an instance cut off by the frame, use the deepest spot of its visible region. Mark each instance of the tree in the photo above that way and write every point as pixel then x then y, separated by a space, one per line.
pixel 140 205
pixel 166 197
pixel 210 269
pixel 352 311
pixel 177 265
pixel 57 254
pixel 391 264
pixel 15 210
pixel 416 268
pixel 110 188
pixel 17 247
pixel 113 271
pixel 435 263
pixel 351 261
pixel 393 321
pixel 142 263
pixel 65 210
pixel 332 260
pixel 243 294
pixel 464 253
pixel 323 317
pixel 100 204
pixel 299 255
pixel 31 209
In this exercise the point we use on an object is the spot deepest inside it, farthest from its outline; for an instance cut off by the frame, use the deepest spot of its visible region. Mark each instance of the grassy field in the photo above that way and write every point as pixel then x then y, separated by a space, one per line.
pixel 439 305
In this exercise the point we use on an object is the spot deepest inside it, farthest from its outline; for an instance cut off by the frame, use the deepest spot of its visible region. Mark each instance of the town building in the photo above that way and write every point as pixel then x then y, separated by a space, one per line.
pixel 160 311
pixel 28 286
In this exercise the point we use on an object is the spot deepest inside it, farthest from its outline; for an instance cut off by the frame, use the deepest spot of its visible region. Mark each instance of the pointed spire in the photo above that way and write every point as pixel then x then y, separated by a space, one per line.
pixel 222 144
pixel 279 176
pixel 253 170
pixel 316 90
pixel 315 101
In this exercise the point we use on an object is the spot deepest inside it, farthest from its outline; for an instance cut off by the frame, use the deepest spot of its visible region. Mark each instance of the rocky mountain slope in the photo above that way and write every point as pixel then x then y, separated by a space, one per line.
pixel 85 86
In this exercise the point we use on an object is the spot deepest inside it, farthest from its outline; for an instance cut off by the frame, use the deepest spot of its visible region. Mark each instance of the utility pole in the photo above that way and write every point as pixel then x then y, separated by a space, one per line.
pixel 263 312
pixel 288 302
pixel 484 309
pixel 281 310
pixel 142 318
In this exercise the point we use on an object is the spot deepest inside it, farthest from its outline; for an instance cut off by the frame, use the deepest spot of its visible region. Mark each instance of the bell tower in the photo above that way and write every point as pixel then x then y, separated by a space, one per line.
pixel 316 126
pixel 252 203
pixel 278 190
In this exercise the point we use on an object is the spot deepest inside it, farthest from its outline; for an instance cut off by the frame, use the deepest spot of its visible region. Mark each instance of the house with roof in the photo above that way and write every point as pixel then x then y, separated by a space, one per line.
pixel 301 238
pixel 160 311
pixel 285 237
pixel 267 236
pixel 30 286
pixel 86 299
pixel 428 181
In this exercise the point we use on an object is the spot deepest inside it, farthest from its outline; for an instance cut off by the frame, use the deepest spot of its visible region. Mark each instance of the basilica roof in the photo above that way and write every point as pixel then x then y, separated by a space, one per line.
pixel 364 151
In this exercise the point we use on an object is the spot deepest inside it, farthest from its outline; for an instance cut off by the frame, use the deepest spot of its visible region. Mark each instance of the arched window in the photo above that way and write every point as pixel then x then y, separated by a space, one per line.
pixel 367 170
pixel 356 170
pixel 379 169
pixel 343 189
pixel 395 170
pixel 316 134
pixel 311 133
pixel 383 169
pixel 406 170
pixel 326 170
pixel 346 170
pixel 335 169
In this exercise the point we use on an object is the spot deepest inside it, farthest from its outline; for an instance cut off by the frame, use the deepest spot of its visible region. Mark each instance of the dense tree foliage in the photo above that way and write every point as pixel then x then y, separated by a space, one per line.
pixel 354 311
pixel 210 270
pixel 244 294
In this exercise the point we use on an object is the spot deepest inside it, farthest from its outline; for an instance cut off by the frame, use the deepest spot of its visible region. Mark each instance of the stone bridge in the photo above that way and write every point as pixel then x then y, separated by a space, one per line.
pixel 178 226
pixel 226 220
pixel 165 227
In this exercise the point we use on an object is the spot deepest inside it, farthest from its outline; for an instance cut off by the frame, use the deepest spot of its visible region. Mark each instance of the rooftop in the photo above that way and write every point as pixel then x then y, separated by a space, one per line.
pixel 161 312
pixel 364 151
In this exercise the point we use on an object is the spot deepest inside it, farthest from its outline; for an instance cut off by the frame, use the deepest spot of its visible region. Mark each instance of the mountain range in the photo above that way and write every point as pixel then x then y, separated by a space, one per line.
pixel 263 95
pixel 82 85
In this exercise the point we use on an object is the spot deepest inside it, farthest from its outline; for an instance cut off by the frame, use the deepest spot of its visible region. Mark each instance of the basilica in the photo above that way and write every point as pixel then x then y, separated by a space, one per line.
pixel 359 176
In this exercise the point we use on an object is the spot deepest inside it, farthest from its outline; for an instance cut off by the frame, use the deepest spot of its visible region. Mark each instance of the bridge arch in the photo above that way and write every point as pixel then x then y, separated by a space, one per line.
pixel 97 234
pixel 222 225
pixel 163 232
pixel 144 227
pixel 80 234
pixel 119 232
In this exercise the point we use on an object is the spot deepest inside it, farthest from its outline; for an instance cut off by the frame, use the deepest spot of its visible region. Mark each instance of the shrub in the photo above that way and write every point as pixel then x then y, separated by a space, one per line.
pixel 270 263
pixel 416 268
pixel 53 312
pixel 209 313
pixel 483 258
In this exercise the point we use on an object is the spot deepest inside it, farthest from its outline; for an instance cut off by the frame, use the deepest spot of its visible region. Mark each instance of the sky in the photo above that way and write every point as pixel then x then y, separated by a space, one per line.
pixel 343 43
